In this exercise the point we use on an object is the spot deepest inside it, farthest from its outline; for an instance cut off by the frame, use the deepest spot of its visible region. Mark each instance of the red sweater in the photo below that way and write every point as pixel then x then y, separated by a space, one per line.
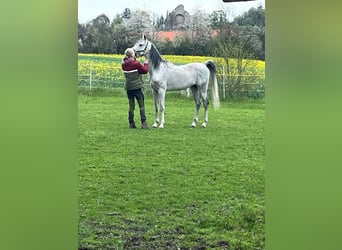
pixel 133 70
pixel 130 64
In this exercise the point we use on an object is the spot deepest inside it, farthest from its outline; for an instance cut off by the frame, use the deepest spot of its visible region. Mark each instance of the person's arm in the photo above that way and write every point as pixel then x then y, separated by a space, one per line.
pixel 142 69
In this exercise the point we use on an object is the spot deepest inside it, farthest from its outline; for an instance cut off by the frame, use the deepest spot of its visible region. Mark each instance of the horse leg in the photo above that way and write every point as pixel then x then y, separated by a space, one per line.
pixel 195 93
pixel 156 100
pixel 162 107
pixel 205 105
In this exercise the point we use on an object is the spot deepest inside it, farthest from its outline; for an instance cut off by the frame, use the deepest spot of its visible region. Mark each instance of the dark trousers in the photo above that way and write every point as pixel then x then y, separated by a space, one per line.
pixel 132 95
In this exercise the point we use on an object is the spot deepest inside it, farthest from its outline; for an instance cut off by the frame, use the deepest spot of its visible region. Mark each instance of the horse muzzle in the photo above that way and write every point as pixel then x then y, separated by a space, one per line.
pixel 139 53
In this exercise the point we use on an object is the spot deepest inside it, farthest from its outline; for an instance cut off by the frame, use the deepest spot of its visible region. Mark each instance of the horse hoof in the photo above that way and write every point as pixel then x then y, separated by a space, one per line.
pixel 193 125
pixel 154 125
pixel 204 125
pixel 161 126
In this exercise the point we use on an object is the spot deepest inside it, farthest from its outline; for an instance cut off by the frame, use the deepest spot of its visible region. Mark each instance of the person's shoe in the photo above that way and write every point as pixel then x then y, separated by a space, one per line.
pixel 132 125
pixel 144 125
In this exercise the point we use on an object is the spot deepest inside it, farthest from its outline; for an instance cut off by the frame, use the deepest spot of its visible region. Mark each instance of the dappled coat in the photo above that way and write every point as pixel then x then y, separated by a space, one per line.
pixel 133 70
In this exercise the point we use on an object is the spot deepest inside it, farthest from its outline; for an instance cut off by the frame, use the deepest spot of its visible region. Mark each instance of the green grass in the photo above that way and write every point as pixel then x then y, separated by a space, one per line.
pixel 171 188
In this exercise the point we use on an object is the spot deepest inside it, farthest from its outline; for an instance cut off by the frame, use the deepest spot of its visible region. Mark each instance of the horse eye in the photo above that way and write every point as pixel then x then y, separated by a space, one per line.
pixel 141 44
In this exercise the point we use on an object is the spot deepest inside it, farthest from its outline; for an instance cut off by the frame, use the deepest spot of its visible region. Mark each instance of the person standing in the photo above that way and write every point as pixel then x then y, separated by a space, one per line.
pixel 133 71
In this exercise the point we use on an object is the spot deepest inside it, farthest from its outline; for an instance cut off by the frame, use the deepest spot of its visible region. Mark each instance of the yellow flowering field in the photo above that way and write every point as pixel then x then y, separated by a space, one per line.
pixel 106 69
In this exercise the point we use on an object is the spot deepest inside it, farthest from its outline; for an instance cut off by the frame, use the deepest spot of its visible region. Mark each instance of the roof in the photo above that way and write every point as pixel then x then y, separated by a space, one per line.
pixel 172 35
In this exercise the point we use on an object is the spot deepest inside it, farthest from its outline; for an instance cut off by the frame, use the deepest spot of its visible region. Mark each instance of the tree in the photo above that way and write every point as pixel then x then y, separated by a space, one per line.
pixel 119 35
pixel 80 38
pixel 218 19
pixel 158 22
pixel 236 44
pixel 200 32
pixel 140 23
pixel 165 47
pixel 183 45
pixel 86 38
pixel 104 41
pixel 253 17
pixel 254 22
pixel 96 36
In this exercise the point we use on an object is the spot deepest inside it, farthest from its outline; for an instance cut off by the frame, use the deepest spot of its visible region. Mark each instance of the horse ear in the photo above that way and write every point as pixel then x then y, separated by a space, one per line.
pixel 144 37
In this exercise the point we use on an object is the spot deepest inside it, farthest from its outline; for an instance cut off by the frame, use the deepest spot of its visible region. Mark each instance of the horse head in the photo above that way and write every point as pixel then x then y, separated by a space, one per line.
pixel 142 47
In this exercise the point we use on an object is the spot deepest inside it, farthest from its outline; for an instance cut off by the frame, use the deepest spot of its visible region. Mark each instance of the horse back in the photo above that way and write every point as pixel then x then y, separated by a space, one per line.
pixel 179 77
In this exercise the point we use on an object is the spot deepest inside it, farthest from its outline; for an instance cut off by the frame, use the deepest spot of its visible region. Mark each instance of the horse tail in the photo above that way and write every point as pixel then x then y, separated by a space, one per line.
pixel 214 87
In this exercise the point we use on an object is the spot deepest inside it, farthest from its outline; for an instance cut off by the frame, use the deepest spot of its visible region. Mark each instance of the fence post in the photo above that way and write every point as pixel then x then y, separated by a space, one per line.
pixel 223 84
pixel 90 75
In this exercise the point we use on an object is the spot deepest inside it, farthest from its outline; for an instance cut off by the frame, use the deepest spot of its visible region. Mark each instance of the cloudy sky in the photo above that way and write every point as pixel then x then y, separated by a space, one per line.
pixel 90 9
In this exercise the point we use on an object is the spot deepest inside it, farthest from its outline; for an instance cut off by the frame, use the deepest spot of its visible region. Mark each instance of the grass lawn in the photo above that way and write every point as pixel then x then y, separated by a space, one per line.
pixel 171 188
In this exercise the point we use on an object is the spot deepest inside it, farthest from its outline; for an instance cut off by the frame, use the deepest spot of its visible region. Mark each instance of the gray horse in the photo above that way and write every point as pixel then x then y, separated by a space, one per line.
pixel 167 76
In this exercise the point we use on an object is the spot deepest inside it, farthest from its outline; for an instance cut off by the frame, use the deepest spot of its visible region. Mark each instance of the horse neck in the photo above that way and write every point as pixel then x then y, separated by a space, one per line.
pixel 154 58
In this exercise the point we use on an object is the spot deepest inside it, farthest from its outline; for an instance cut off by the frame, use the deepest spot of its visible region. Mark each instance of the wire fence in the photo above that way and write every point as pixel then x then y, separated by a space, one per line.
pixel 230 85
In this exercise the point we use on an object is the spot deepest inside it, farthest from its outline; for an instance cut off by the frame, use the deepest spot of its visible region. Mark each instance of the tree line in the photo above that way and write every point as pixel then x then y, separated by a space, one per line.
pixel 205 34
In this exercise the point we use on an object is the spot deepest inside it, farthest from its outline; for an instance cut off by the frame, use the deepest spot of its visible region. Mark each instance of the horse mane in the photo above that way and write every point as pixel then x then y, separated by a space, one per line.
pixel 155 57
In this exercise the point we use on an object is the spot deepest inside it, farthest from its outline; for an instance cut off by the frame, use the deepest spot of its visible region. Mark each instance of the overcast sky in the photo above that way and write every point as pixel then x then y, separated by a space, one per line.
pixel 90 9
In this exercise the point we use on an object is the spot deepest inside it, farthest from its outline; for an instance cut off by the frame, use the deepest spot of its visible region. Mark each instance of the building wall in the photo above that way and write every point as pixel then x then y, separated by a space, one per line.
pixel 178 19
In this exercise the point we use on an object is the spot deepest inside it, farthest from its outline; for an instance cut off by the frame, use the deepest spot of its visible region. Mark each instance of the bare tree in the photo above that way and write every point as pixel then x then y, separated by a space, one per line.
pixel 236 47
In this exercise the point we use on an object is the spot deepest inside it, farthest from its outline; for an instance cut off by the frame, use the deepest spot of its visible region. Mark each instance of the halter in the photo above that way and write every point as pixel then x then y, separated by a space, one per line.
pixel 143 50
